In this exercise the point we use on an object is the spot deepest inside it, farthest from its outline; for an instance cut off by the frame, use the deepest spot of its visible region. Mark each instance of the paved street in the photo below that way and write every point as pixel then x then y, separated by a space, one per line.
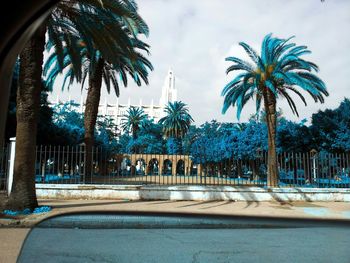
pixel 187 245
pixel 11 238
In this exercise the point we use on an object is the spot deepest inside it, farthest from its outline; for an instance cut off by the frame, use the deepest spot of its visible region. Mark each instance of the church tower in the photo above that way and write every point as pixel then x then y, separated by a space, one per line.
pixel 169 92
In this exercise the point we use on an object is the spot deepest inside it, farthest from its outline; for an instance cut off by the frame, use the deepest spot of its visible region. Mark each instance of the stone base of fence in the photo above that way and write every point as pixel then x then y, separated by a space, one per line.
pixel 197 193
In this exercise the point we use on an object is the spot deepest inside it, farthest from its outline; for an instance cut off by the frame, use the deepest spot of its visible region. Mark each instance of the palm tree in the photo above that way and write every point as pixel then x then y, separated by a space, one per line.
pixel 277 72
pixel 177 121
pixel 69 18
pixel 133 120
pixel 99 70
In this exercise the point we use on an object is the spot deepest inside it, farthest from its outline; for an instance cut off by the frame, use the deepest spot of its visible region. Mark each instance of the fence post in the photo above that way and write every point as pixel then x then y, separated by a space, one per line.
pixel 313 154
pixel 82 164
pixel 11 164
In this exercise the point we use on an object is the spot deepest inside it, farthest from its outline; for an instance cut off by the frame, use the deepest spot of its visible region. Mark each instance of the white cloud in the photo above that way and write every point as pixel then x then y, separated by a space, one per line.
pixel 194 36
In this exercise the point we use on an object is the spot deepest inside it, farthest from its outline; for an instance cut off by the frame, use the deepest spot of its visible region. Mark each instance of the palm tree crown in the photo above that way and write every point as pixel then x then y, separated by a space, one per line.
pixel 137 68
pixel 279 70
pixel 103 25
pixel 112 37
pixel 133 120
pixel 177 121
pixel 276 72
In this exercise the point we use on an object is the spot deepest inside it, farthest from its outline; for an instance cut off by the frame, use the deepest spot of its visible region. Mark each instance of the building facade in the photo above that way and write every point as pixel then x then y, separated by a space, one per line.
pixel 117 110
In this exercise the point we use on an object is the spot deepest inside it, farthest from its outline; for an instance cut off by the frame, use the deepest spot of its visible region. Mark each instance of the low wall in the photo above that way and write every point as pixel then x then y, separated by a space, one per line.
pixel 199 193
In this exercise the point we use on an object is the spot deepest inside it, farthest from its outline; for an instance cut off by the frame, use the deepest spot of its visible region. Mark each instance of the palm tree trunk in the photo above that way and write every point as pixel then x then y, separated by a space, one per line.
pixel 28 101
pixel 90 115
pixel 270 109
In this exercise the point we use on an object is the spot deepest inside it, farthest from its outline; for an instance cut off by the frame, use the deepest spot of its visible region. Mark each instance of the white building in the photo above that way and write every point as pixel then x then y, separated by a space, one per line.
pixel 117 110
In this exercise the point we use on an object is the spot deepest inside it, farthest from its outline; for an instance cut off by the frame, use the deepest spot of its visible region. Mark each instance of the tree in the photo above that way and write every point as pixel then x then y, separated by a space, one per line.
pixel 278 71
pixel 176 124
pixel 133 120
pixel 294 137
pixel 68 123
pixel 149 139
pixel 189 139
pixel 103 67
pixel 66 20
pixel 330 128
pixel 177 121
pixel 173 146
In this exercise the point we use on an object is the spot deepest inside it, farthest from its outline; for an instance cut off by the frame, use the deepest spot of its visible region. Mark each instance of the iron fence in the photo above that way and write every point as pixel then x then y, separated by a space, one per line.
pixel 70 165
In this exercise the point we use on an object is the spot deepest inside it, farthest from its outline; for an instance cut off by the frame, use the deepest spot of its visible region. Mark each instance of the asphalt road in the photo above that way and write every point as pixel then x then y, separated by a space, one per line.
pixel 301 244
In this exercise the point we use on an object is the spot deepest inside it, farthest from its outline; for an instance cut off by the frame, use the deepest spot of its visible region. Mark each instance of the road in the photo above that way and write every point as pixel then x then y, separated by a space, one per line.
pixel 251 243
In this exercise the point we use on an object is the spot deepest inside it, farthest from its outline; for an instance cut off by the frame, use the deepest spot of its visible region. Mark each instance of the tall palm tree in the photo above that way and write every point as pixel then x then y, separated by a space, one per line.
pixel 177 121
pixel 277 72
pixel 133 120
pixel 98 69
pixel 69 17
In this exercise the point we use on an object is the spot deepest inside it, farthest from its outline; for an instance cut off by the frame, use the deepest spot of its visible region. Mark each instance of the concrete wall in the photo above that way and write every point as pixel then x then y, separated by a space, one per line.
pixel 199 193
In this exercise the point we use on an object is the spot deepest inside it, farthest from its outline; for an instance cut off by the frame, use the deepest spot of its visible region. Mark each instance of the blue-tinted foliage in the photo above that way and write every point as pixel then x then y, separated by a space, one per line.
pixel 330 128
pixel 69 122
pixel 217 141
pixel 147 144
pixel 341 141
pixel 70 126
pixel 173 146
pixel 293 137
pixel 212 141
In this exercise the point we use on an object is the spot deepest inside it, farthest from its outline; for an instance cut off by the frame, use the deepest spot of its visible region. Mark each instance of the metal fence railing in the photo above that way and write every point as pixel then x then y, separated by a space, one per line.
pixel 68 164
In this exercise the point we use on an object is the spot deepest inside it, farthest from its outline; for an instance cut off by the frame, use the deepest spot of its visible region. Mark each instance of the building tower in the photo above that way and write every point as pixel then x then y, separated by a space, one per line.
pixel 169 92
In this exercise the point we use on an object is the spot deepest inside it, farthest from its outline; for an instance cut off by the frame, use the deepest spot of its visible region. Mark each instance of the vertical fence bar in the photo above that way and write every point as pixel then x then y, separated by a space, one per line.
pixel 77 172
pixel 189 170
pixel 54 165
pixel 322 168
pixel 303 168
pixel 43 172
pixel 280 165
pixel 336 165
pixel 297 166
pixel 63 161
pixel 330 169
pixel 147 166
pixel 227 170
pixel 36 161
pixel 49 163
pixel 307 168
pixel 58 160
pixel 40 162
pixel 346 169
pixel 69 179
pixel 72 173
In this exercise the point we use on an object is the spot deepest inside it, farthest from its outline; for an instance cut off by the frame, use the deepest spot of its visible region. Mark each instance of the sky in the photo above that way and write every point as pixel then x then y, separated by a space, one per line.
pixel 193 38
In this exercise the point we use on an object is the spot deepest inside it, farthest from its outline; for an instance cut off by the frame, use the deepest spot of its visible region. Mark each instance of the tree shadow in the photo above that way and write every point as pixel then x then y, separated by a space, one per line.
pixel 199 203
pixel 80 204
pixel 225 203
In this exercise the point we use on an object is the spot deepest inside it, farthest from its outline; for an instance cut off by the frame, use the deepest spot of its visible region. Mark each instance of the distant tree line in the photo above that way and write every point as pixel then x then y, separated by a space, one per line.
pixel 328 131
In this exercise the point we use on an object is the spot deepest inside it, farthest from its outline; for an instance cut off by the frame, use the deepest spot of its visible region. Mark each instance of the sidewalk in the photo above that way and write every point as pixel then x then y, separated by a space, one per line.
pixel 13 231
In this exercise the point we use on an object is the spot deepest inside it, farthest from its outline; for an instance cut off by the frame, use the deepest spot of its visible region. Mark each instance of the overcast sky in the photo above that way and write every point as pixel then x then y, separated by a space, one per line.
pixel 193 37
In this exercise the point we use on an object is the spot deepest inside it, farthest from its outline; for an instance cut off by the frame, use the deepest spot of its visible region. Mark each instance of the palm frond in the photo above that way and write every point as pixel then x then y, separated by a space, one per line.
pixel 281 69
